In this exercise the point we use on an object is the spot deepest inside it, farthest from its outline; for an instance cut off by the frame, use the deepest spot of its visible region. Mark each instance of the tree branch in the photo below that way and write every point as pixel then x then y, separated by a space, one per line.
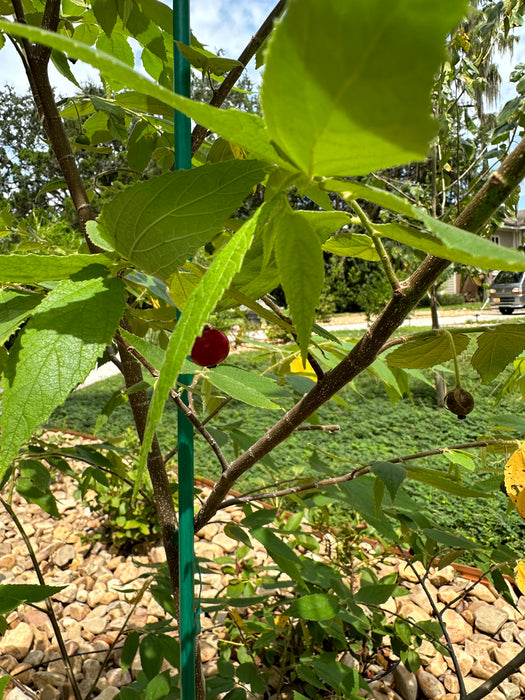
pixel 199 132
pixel 354 474
pixel 475 215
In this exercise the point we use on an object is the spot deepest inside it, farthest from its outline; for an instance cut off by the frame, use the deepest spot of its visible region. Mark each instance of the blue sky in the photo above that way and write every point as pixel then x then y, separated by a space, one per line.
pixel 219 24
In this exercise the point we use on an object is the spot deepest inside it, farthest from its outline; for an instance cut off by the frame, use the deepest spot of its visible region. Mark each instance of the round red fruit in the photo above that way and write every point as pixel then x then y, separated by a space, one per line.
pixel 210 348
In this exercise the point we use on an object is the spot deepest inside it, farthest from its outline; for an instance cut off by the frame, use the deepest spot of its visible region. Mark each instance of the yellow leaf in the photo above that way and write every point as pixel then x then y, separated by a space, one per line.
pixel 297 367
pixel 236 618
pixel 281 620
pixel 519 571
pixel 520 503
pixel 515 475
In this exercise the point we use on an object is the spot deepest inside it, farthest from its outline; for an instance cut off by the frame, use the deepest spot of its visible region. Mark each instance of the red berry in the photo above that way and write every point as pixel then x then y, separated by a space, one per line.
pixel 210 348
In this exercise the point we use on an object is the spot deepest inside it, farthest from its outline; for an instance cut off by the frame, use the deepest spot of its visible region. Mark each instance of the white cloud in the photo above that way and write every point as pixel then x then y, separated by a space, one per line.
pixel 227 25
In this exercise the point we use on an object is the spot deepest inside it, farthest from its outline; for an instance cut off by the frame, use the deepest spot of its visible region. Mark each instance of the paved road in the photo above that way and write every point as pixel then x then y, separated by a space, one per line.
pixel 486 316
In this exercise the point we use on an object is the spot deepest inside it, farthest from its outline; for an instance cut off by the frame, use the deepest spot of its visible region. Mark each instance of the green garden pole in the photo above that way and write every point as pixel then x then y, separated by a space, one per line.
pixel 181 79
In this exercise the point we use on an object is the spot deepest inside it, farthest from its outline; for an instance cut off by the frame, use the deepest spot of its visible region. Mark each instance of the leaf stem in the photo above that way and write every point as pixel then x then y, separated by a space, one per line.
pixel 378 244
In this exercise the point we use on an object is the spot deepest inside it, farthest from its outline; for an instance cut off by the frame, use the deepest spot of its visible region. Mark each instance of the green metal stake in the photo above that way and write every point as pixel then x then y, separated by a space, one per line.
pixel 181 75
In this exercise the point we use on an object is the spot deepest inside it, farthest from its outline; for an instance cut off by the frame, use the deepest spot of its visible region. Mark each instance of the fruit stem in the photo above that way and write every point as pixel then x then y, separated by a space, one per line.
pixel 454 357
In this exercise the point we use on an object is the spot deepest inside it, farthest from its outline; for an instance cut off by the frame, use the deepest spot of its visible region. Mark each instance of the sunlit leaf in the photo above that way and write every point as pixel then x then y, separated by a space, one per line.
pixel 56 350
pixel 427 352
pixel 301 266
pixel 316 606
pixel 520 576
pixel 331 98
pixel 497 348
pixel 159 223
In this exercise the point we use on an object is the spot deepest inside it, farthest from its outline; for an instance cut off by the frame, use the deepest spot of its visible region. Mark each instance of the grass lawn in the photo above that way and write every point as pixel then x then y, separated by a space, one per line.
pixel 371 430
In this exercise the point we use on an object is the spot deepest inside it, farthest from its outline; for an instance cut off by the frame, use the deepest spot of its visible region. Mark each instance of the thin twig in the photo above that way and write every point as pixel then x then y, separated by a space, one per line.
pixel 354 474
pixel 328 428
pixel 216 410
pixel 439 616
pixel 49 608
pixel 138 597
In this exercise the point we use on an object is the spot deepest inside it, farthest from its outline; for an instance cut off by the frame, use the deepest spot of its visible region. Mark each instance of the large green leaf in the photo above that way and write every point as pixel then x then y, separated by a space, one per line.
pixel 316 606
pixel 160 223
pixel 300 261
pixel 15 307
pixel 29 269
pixel 497 347
pixel 57 349
pixel 375 593
pixel 441 481
pixel 427 352
pixel 352 245
pixel 450 540
pixel 246 130
pixel 443 240
pixel 392 475
pixel 347 85
pixel 200 304
pixel 245 386
pixel 325 223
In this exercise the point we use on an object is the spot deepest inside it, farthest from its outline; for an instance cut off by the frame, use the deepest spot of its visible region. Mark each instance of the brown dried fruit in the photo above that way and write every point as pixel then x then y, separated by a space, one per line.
pixel 460 402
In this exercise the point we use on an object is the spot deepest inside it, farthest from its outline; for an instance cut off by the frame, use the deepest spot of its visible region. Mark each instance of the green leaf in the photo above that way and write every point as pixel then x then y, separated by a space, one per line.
pixel 317 606
pixel 158 224
pixel 33 484
pixel 206 62
pixel 4 680
pixel 200 304
pixel 454 244
pixel 443 240
pixel 496 348
pixel 244 386
pixel 237 533
pixel 392 475
pixel 62 65
pixel 129 649
pixel 350 112
pixel 352 245
pixel 106 14
pixel 137 102
pixel 446 538
pixel 250 674
pixel 13 595
pixel 15 307
pixel 154 354
pixel 375 593
pixel 58 347
pixel 324 223
pixel 239 693
pixel 158 687
pixel 29 269
pixel 300 261
pixel 150 658
pixel 427 352
pixel 442 482
pixel 282 554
